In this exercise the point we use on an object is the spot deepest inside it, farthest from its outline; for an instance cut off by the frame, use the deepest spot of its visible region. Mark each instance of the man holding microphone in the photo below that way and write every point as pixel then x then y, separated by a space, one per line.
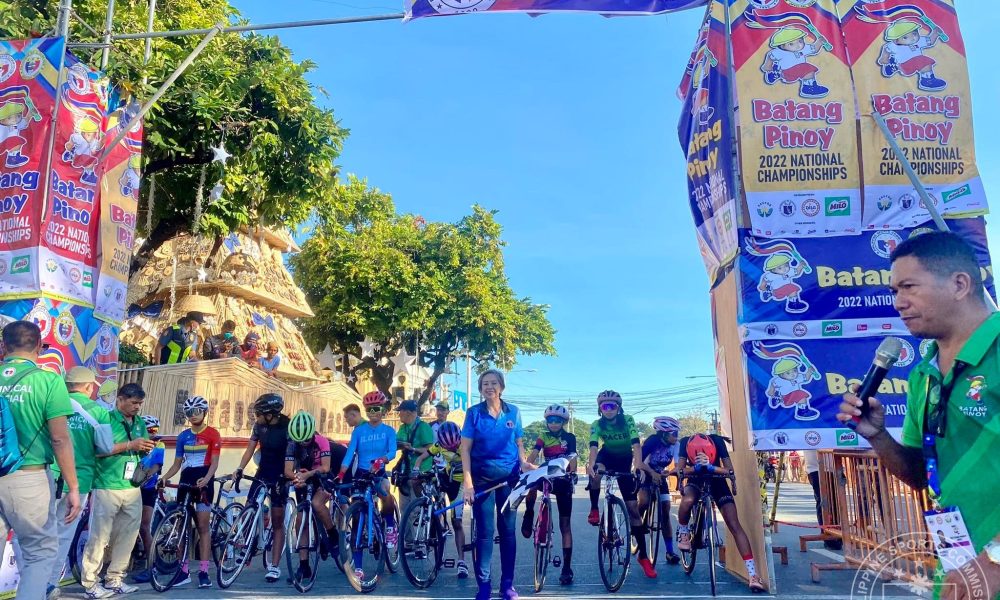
pixel 950 434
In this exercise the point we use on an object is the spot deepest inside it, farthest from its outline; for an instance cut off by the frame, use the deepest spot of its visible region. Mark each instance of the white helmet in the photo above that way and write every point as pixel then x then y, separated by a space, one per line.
pixel 195 403
pixel 557 410
pixel 666 425
pixel 151 422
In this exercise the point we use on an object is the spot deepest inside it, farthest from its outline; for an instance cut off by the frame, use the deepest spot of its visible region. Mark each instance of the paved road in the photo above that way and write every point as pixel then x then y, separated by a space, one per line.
pixel 792 580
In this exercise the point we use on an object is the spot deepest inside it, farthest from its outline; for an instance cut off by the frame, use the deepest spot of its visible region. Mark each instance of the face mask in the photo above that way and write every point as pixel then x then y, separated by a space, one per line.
pixel 228 335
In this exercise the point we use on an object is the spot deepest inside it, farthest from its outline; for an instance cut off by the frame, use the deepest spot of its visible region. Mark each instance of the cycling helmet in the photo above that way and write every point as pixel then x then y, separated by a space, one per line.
pixel 151 422
pixel 302 427
pixel 269 403
pixel 449 436
pixel 701 443
pixel 609 396
pixel 557 410
pixel 194 404
pixel 375 398
pixel 666 425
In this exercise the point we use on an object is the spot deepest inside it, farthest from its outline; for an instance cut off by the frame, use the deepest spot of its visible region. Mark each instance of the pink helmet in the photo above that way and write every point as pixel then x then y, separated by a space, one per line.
pixel 449 436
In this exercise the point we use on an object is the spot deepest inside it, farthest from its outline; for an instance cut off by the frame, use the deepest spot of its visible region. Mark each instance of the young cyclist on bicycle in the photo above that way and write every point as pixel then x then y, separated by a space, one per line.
pixel 197 458
pixel 620 452
pixel 553 443
pixel 308 460
pixel 374 445
pixel 659 452
pixel 702 456
pixel 449 437
pixel 270 434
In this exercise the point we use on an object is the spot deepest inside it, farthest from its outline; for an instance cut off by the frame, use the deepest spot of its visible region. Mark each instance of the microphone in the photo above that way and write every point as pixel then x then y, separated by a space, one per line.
pixel 885 357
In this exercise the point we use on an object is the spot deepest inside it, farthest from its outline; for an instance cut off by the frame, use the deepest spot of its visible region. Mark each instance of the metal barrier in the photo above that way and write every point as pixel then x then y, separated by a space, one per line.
pixel 875 515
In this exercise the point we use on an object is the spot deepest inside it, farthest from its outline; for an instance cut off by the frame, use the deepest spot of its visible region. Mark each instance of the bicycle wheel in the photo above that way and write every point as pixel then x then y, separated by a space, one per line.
pixel 689 557
pixel 392 553
pixel 170 549
pixel 363 547
pixel 613 544
pixel 223 521
pixel 303 538
pixel 543 543
pixel 238 545
pixel 711 543
pixel 652 522
pixel 421 550
pixel 77 546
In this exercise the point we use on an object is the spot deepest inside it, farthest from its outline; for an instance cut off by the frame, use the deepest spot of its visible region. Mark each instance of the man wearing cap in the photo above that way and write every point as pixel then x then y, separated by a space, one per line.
pixel 223 345
pixel 903 52
pixel 414 436
pixel 90 429
pixel 788 62
pixel 39 404
pixel 175 343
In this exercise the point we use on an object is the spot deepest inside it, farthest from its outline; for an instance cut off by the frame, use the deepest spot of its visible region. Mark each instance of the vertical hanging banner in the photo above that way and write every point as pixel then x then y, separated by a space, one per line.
pixel 908 61
pixel 68 249
pixel 416 9
pixel 119 200
pixel 706 135
pixel 798 141
pixel 28 73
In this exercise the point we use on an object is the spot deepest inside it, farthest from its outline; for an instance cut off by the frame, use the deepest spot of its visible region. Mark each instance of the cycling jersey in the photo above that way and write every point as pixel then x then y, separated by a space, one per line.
pixel 198 449
pixel 452 461
pixel 553 445
pixel 659 453
pixel 308 456
pixel 369 444
pixel 273 440
pixel 616 436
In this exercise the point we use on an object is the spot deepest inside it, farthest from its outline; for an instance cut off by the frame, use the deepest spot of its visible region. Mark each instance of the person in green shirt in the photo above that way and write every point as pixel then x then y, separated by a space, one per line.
pixel 413 438
pixel 953 400
pixel 90 430
pixel 115 502
pixel 39 404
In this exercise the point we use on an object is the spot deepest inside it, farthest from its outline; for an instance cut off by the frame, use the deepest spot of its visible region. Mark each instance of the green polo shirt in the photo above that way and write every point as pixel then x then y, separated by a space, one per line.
pixel 111 469
pixel 91 432
pixel 423 436
pixel 967 466
pixel 36 399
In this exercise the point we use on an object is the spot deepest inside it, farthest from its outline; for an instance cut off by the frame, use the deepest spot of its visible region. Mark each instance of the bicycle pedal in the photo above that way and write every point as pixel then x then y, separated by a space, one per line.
pixel 556 561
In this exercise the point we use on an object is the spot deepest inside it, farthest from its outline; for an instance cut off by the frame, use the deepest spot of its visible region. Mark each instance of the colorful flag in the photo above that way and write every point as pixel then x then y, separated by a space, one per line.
pixel 435 8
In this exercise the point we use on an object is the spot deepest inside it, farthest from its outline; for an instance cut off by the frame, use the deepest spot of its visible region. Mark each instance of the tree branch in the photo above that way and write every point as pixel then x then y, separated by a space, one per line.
pixel 163 164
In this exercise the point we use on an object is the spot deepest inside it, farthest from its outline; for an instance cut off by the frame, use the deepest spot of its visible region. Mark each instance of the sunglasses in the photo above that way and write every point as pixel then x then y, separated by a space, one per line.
pixel 554 419
pixel 373 410
pixel 608 406
pixel 194 413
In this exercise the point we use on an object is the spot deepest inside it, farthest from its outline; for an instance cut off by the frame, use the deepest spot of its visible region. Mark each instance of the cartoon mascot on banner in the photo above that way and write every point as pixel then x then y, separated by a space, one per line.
pixel 782 266
pixel 791 371
pixel 793 42
pixel 16 113
pixel 83 149
pixel 910 31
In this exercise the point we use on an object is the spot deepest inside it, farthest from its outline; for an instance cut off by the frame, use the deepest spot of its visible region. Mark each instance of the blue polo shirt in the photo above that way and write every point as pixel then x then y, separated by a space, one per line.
pixel 494 441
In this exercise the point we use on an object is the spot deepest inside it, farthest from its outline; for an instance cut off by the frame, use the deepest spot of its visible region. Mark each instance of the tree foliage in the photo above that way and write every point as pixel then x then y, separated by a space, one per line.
pixel 246 87
pixel 694 422
pixel 368 272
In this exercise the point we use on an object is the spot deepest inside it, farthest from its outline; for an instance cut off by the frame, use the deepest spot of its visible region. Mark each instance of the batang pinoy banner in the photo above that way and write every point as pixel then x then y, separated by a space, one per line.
pixel 119 199
pixel 68 249
pixel 706 135
pixel 794 390
pixel 798 141
pixel 435 8
pixel 824 288
pixel 908 61
pixel 27 97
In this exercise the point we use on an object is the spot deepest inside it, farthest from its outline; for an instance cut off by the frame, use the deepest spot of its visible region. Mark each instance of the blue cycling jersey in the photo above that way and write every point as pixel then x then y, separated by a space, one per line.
pixel 369 444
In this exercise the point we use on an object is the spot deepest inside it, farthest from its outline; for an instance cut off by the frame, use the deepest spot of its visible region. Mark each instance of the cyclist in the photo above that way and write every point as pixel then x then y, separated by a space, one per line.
pixel 553 443
pixel 197 458
pixel 153 460
pixel 413 438
pixel 618 438
pixel 309 459
pixel 270 434
pixel 374 445
pixel 659 452
pixel 701 456
pixel 449 437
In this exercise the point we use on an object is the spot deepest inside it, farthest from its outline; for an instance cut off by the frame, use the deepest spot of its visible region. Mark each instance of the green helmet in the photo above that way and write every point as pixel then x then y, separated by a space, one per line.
pixel 302 427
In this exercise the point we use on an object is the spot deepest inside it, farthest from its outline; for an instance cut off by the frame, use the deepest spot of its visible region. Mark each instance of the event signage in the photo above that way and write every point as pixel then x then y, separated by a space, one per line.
pixel 416 9
pixel 909 66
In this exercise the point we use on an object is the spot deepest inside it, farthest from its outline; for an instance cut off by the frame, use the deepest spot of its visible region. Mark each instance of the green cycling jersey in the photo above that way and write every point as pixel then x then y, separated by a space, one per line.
pixel 616 436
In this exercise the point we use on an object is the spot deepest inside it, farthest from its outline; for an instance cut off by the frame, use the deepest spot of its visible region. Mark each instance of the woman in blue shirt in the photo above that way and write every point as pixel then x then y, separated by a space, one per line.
pixel 493 452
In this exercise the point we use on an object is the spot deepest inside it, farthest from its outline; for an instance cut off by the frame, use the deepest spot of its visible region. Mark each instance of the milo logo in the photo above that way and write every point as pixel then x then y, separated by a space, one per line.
pixel 950 195
pixel 833 328
pixel 838 206
pixel 20 264
pixel 846 437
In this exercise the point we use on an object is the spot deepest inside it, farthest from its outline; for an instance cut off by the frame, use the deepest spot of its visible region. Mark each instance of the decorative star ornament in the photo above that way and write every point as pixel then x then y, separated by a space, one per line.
pixel 368 348
pixel 202 275
pixel 400 362
pixel 220 154
pixel 351 378
pixel 216 192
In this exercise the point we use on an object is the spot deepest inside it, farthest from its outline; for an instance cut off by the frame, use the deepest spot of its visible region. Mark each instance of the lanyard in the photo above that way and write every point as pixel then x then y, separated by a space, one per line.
pixel 935 420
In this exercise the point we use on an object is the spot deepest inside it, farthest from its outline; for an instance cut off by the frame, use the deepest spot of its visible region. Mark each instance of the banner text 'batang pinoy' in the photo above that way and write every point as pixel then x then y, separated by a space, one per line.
pixel 435 8
pixel 797 128
pixel 706 135
pixel 794 390
pixel 909 64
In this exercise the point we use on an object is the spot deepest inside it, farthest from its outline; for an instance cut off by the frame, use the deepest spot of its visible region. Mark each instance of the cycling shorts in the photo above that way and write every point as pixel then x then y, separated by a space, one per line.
pixel 562 489
pixel 278 492
pixel 205 497
pixel 453 489
pixel 719 487
pixel 149 497
pixel 645 481
pixel 620 464
pixel 318 482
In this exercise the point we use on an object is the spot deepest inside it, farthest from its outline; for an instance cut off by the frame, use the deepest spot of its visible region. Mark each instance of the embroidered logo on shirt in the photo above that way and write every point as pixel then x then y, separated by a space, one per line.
pixel 977 383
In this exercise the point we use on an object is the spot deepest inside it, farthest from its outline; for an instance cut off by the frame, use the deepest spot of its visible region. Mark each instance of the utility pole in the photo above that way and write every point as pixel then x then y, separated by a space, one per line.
pixel 715 422
pixel 468 377
pixel 572 415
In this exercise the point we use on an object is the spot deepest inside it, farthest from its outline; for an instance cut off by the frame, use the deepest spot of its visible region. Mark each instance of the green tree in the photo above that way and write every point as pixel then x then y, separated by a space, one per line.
pixel 644 428
pixel 246 87
pixel 369 273
pixel 694 422
pixel 580 429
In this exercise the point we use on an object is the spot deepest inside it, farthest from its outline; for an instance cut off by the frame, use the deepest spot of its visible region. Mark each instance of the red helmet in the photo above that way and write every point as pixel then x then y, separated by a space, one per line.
pixel 701 443
pixel 375 398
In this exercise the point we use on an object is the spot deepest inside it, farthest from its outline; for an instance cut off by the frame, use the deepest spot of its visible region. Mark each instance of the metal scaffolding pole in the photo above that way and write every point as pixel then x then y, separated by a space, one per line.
pixel 108 24
pixel 261 27
pixel 62 20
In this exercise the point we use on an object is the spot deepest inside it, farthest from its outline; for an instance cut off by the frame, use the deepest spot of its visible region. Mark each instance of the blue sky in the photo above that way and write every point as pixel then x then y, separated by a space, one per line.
pixel 567 126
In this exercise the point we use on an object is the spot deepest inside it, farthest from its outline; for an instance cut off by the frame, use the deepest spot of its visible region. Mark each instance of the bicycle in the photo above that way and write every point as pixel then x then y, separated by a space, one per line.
pixel 653 517
pixel 422 534
pixel 364 535
pixel 704 529
pixel 248 535
pixel 614 533
pixel 543 528
pixel 176 534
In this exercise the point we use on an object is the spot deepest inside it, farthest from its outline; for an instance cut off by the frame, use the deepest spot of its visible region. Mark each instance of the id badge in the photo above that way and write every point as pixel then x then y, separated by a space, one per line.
pixel 950 536
pixel 129 469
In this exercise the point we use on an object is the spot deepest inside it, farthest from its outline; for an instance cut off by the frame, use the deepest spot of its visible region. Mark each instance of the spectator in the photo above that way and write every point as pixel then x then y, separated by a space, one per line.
pixel 811 460
pixel 194 336
pixel 174 345
pixel 154 463
pixel 795 462
pixel 952 398
pixel 352 415
pixel 116 502
pixel 223 345
pixel 39 404
pixel 90 429
pixel 250 350
pixel 269 364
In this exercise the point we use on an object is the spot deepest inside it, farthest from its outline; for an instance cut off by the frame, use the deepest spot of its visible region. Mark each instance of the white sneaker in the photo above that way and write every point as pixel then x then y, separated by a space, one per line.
pixel 120 588
pixel 182 579
pixel 273 574
pixel 97 592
